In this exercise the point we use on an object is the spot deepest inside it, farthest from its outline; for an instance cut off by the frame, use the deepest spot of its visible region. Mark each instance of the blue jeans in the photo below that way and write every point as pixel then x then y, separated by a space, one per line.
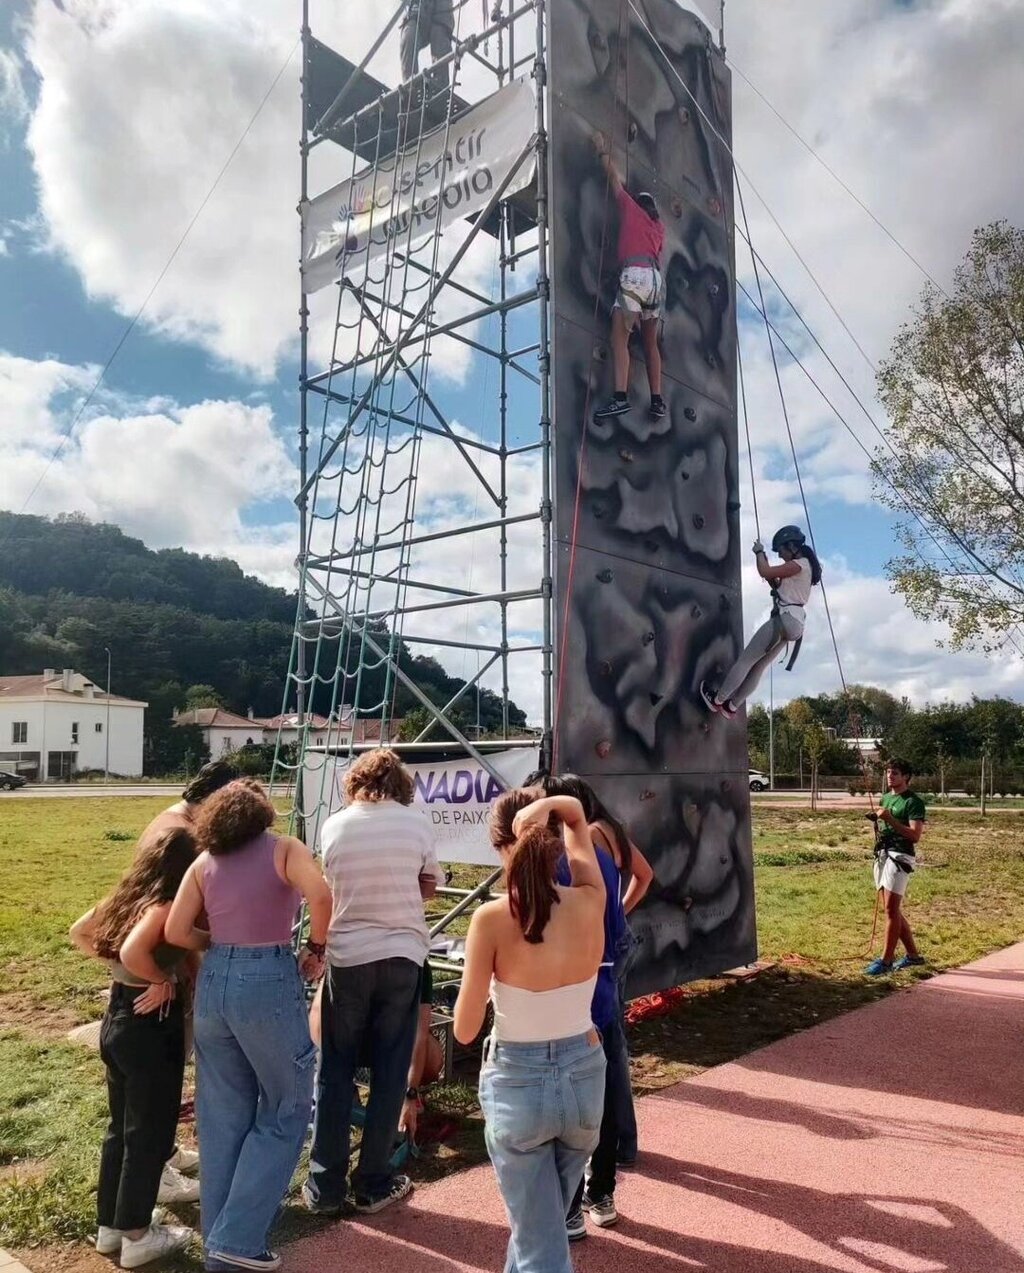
pixel 254 1089
pixel 373 1009
pixel 542 1105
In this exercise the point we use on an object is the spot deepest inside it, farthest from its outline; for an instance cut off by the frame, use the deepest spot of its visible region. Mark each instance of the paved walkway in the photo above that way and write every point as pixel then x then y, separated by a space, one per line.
pixel 890 1139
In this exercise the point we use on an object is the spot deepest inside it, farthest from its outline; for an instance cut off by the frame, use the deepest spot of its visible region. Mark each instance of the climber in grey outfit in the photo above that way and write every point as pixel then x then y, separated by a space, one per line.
pixel 427 23
pixel 791 584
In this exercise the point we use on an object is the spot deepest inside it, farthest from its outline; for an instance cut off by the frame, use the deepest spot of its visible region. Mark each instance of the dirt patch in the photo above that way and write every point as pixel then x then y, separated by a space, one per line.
pixel 77 1258
pixel 21 1010
pixel 21 1172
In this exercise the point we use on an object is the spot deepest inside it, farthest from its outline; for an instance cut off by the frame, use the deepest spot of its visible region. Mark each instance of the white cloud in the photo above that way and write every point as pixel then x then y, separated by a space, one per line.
pixel 13 100
pixel 175 475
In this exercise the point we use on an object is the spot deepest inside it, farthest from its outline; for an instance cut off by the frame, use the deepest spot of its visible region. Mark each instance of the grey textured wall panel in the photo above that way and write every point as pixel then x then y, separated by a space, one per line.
pixel 647 568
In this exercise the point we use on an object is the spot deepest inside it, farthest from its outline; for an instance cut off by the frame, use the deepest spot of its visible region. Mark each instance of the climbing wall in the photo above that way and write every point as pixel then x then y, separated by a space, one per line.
pixel 646 515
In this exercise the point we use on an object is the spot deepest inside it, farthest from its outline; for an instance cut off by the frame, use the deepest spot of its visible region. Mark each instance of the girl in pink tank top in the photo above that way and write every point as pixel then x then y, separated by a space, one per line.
pixel 254 1058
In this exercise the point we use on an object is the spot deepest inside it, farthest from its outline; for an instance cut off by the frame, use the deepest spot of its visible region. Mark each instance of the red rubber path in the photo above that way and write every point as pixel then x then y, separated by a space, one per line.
pixel 891 1138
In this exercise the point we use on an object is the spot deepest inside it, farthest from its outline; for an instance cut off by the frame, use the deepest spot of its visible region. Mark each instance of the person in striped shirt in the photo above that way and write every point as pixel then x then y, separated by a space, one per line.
pixel 380 861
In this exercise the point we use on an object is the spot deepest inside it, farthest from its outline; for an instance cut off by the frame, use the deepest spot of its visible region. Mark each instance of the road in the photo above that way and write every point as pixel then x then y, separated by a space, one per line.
pixel 96 790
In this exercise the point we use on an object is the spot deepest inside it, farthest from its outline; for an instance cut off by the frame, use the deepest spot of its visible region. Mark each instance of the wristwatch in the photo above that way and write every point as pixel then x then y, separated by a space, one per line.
pixel 412 1093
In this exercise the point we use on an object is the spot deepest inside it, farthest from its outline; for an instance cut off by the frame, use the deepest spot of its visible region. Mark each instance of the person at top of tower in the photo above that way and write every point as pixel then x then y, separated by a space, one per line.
pixel 791 584
pixel 428 23
pixel 641 242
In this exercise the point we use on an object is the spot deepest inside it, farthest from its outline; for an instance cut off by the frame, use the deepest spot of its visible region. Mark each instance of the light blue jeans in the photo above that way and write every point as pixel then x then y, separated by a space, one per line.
pixel 542 1105
pixel 254 1090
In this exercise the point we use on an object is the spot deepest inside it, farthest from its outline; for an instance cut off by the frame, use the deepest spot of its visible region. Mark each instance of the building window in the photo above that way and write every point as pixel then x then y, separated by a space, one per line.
pixel 99 727
pixel 19 731
pixel 74 733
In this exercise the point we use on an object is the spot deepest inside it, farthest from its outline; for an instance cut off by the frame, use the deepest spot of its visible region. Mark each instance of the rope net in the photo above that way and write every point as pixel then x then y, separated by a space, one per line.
pixel 418 517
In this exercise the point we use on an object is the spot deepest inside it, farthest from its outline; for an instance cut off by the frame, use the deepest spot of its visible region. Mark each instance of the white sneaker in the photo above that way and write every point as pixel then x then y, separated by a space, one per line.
pixel 108 1239
pixel 158 1240
pixel 174 1187
pixel 184 1160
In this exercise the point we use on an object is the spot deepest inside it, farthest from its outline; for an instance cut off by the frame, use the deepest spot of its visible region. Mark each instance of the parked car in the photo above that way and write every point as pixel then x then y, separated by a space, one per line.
pixel 758 781
pixel 9 781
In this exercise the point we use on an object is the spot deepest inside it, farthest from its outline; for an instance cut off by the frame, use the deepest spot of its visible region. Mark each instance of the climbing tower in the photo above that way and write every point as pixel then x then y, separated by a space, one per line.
pixel 489 520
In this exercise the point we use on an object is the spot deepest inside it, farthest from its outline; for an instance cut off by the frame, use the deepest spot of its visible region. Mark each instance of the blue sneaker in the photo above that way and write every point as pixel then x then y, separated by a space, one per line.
pixel 877 968
pixel 909 961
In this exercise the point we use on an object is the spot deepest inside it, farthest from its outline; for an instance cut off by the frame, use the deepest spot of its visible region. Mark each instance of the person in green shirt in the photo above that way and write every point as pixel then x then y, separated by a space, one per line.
pixel 899 826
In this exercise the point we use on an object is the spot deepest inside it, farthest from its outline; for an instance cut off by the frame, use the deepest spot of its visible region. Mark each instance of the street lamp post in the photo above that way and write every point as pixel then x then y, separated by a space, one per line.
pixel 106 728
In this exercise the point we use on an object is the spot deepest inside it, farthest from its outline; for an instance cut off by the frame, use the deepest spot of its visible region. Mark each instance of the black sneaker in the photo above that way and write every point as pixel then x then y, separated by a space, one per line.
pixel 319 1206
pixel 401 1187
pixel 658 408
pixel 602 1210
pixel 708 695
pixel 619 405
pixel 575 1226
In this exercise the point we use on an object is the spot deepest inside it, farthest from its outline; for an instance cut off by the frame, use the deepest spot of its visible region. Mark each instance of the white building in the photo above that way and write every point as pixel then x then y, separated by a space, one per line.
pixel 53 725
pixel 223 731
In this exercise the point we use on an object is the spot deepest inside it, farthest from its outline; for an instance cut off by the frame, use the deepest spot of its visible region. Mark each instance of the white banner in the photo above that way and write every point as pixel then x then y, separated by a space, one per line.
pixel 353 223
pixel 456 796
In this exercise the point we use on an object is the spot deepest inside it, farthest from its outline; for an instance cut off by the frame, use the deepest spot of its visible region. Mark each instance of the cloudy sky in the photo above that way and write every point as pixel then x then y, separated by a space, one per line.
pixel 116 116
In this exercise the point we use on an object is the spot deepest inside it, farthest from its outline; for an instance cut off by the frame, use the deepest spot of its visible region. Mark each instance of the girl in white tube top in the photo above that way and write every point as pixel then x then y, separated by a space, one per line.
pixel 535 953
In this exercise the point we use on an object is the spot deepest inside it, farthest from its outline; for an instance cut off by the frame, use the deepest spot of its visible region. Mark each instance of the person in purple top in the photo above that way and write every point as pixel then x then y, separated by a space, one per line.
pixel 254 1056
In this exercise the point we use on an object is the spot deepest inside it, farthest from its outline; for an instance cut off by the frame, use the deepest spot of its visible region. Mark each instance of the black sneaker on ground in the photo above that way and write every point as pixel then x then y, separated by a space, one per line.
pixel 602 1210
pixel 575 1226
pixel 619 405
pixel 221 1262
pixel 658 408
pixel 319 1207
pixel 708 695
pixel 401 1187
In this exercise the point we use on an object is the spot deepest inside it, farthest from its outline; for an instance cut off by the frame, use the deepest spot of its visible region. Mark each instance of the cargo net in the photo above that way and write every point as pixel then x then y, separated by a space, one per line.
pixel 377 432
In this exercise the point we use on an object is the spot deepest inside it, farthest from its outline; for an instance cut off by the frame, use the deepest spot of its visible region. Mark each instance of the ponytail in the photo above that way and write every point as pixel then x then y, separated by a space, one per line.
pixel 812 557
pixel 530 874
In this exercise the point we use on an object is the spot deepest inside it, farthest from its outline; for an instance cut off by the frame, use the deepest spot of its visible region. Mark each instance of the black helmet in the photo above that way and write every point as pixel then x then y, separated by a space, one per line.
pixel 649 204
pixel 792 536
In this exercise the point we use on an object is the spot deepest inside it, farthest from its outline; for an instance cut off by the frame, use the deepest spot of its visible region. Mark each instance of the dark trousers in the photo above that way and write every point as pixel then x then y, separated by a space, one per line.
pixel 601 1183
pixel 145 1060
pixel 422 28
pixel 368 1010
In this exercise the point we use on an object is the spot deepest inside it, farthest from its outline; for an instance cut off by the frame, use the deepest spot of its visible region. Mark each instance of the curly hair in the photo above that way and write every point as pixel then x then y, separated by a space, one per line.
pixel 233 816
pixel 379 775
pixel 152 879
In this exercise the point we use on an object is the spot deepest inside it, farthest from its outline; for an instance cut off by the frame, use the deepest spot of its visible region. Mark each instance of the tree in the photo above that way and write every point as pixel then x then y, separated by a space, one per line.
pixel 202 696
pixel 953 388
pixel 816 743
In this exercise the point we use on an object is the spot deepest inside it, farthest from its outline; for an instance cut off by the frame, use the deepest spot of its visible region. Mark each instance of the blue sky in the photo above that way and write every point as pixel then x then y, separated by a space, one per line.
pixel 116 115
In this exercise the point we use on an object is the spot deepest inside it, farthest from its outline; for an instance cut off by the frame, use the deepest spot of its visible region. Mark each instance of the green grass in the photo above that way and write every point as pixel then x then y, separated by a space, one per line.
pixel 814 908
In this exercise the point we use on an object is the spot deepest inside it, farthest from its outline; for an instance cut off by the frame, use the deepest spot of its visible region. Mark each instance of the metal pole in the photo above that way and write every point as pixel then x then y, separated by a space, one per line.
pixel 106 762
pixel 771 727
pixel 721 27
pixel 544 356
pixel 303 500
pixel 333 111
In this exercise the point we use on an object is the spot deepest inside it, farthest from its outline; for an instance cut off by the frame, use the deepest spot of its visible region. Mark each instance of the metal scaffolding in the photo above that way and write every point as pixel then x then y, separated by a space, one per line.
pixel 376 424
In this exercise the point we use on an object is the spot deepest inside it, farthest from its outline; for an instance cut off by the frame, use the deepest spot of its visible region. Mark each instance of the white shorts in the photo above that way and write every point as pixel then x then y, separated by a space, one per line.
pixel 639 292
pixel 889 876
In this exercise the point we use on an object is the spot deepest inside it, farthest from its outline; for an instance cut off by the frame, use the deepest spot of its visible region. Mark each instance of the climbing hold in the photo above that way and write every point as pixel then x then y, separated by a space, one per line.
pixel 647 638
pixel 626 456
pixel 683 475
pixel 677 207
pixel 646 794
pixel 696 612
pixel 690 413
pixel 655 699
pixel 684 115
pixel 724 603
pixel 725 786
pixel 603 748
pixel 600 508
pixel 605 576
pixel 715 206
pixel 631 131
pixel 651 545
pixel 604 667
pixel 687 903
pixel 698 521
pixel 713 289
